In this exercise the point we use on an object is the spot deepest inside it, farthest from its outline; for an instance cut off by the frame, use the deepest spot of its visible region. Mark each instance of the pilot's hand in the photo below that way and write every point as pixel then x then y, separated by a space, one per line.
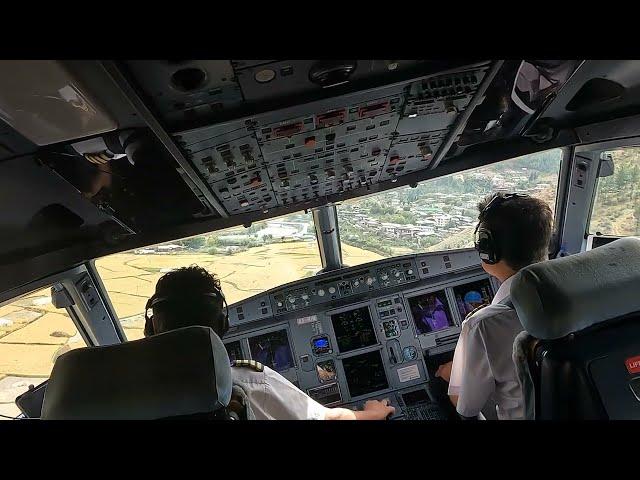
pixel 379 409
pixel 444 371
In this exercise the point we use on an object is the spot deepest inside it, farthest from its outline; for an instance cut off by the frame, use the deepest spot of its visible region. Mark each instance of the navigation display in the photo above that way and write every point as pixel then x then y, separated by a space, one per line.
pixel 353 329
pixel 431 312
pixel 234 350
pixel 472 295
pixel 272 349
pixel 365 373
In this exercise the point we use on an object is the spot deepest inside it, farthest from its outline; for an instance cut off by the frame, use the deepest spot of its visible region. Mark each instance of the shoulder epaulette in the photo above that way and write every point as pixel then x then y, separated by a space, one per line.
pixel 475 310
pixel 252 364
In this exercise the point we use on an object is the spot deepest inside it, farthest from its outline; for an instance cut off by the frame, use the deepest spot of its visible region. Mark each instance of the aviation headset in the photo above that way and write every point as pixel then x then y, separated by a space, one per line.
pixel 485 242
pixel 155 300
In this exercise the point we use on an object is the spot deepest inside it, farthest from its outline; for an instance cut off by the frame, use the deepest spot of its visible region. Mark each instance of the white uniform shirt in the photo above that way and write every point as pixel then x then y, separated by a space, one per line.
pixel 483 368
pixel 273 397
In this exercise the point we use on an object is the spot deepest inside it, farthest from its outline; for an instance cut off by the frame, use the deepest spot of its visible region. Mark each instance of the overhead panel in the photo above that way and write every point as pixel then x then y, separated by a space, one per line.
pixel 330 152
pixel 261 81
pixel 187 90
pixel 329 146
pixel 431 108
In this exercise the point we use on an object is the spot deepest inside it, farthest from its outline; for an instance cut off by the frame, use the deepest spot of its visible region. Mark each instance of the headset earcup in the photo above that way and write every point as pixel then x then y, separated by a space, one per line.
pixel 487 247
pixel 148 326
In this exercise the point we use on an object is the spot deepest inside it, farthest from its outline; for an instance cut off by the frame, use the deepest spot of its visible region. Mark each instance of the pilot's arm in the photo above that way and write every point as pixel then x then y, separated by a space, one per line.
pixel 471 382
pixel 284 401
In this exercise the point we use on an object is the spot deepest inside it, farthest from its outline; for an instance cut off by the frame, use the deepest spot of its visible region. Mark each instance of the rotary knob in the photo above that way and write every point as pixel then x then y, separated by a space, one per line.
pixel 280 304
pixel 410 272
pixel 369 281
pixel 321 293
pixel 397 274
pixel 305 297
pixel 384 276
pixel 292 299
pixel 332 290
pixel 356 283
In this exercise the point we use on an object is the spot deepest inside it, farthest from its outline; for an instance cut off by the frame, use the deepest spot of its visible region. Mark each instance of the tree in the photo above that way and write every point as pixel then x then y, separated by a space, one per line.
pixel 194 243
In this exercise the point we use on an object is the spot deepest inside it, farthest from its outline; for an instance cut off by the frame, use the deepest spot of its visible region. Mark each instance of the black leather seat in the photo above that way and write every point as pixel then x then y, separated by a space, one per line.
pixel 579 357
pixel 184 373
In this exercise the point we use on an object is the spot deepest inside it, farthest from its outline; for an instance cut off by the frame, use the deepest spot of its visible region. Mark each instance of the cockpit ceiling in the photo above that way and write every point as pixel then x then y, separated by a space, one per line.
pixel 204 145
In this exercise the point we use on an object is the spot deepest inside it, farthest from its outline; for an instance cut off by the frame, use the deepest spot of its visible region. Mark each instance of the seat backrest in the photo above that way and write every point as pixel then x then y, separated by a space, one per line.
pixel 582 314
pixel 183 373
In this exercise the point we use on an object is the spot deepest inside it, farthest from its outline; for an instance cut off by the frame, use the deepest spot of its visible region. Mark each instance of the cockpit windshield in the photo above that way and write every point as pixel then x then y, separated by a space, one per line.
pixel 441 214
pixel 247 261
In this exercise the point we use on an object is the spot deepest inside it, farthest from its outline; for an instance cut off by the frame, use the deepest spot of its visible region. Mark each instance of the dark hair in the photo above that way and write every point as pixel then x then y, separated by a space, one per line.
pixel 184 287
pixel 521 228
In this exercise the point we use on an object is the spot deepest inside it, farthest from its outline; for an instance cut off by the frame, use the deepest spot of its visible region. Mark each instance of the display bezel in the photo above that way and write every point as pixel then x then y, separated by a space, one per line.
pixel 318 353
pixel 335 370
pixel 377 351
pixel 349 309
pixel 448 292
pixel 467 282
pixel 268 331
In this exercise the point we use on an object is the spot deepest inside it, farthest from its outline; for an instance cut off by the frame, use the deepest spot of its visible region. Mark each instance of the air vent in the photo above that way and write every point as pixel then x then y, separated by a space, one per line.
pixel 188 79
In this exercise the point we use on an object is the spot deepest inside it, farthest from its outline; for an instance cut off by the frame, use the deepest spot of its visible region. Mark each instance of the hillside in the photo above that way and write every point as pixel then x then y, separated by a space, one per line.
pixel 616 208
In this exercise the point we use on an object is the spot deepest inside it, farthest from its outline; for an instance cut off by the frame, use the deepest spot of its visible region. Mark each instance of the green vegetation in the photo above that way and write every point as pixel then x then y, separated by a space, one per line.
pixel 616 208
pixel 455 195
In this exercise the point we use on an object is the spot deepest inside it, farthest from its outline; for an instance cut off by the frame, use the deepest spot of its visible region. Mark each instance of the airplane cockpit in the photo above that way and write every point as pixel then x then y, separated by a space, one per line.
pixel 336 201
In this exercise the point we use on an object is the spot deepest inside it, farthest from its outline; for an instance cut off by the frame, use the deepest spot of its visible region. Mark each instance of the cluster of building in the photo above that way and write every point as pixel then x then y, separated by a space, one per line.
pixel 160 249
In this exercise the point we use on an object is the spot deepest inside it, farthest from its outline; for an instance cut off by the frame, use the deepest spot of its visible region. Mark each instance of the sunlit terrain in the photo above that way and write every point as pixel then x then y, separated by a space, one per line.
pixel 130 279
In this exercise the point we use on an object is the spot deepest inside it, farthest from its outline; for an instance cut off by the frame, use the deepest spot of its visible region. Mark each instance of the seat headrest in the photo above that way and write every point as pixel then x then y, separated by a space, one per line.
pixel 566 295
pixel 182 372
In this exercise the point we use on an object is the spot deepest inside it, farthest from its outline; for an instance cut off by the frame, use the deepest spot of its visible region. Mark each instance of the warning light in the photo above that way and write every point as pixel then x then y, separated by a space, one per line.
pixel 633 364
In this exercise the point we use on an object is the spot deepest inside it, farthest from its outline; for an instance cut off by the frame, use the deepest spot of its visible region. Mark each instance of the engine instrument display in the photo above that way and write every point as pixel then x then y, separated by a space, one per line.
pixel 353 329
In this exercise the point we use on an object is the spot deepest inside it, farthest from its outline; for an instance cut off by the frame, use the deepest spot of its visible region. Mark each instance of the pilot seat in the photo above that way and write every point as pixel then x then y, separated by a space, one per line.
pixel 579 354
pixel 184 374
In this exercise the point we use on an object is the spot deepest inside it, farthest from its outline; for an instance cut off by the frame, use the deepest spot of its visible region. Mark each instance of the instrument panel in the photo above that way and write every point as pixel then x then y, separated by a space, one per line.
pixel 364 332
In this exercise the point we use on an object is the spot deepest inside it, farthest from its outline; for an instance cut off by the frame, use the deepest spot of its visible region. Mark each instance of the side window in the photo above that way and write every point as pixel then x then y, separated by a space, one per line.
pixel 616 207
pixel 33 333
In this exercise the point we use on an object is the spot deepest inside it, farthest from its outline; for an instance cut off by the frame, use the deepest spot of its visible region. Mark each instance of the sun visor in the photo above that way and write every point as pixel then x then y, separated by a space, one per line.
pixel 45 103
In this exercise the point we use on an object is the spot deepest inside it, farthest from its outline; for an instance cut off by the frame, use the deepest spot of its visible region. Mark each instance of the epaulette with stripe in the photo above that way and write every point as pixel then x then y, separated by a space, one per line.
pixel 252 364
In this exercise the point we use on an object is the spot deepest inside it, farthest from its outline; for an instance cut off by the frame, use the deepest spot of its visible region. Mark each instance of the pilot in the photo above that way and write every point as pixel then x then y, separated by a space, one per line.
pixel 192 296
pixel 513 231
